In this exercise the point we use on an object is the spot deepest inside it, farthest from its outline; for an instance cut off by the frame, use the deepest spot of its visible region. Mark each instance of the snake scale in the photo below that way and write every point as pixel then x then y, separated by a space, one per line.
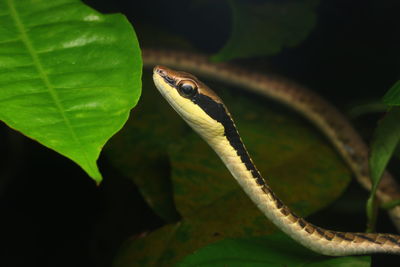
pixel 205 112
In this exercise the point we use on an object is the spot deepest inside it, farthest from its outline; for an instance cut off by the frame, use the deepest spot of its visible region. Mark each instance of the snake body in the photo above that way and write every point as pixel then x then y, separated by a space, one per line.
pixel 317 110
pixel 205 112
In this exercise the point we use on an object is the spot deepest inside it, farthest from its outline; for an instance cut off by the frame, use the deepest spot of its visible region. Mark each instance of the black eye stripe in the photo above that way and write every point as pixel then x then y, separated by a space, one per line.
pixel 169 80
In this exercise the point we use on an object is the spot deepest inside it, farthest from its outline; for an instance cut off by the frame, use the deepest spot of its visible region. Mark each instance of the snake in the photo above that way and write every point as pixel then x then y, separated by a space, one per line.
pixel 205 112
pixel 331 122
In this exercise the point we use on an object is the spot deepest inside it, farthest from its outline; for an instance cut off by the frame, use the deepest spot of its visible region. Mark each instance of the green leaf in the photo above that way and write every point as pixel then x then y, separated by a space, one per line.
pixel 385 140
pixel 68 75
pixel 145 251
pixel 274 250
pixel 392 97
pixel 139 150
pixel 391 204
pixel 367 107
pixel 265 28
pixel 286 150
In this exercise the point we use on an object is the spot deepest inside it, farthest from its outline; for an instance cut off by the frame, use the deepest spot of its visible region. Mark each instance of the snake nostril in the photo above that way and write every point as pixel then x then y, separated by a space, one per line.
pixel 159 70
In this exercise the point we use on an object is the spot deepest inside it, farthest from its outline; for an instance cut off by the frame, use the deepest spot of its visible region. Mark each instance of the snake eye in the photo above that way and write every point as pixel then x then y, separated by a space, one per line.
pixel 187 88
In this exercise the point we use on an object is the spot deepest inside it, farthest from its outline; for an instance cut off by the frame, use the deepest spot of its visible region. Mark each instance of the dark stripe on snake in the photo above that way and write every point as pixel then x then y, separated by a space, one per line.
pixel 302 223
pixel 320 231
pixel 217 112
pixel 391 239
pixel 343 236
pixel 368 238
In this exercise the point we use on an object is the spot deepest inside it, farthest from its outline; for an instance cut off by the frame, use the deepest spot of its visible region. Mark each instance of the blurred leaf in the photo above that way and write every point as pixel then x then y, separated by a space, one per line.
pixel 392 97
pixel 265 28
pixel 274 250
pixel 68 75
pixel 367 107
pixel 152 36
pixel 302 169
pixel 385 140
pixel 139 150
pixel 390 204
pixel 136 251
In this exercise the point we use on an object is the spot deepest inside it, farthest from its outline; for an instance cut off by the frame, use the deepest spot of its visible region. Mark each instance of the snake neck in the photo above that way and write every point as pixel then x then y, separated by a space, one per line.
pixel 327 242
pixel 233 153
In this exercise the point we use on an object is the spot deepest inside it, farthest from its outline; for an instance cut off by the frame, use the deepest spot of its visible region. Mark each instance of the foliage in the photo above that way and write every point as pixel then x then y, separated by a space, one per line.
pixel 392 97
pixel 266 28
pixel 69 77
pixel 65 79
pixel 385 141
pixel 273 250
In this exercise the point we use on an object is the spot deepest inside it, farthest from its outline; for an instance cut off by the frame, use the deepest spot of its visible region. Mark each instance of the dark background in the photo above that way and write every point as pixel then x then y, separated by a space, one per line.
pixel 52 214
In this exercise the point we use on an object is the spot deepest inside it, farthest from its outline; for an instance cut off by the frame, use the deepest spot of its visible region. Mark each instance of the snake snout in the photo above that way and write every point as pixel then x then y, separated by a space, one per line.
pixel 160 70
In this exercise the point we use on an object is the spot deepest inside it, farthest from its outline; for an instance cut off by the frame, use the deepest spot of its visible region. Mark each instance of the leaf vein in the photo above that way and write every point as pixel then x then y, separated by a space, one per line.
pixel 40 69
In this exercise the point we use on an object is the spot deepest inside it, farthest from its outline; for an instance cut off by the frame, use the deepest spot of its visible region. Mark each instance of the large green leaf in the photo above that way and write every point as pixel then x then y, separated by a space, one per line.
pixel 271 251
pixel 265 28
pixel 68 75
pixel 303 170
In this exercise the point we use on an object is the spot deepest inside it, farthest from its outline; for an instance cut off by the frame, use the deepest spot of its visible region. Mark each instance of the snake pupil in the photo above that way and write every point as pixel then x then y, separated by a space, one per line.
pixel 187 89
